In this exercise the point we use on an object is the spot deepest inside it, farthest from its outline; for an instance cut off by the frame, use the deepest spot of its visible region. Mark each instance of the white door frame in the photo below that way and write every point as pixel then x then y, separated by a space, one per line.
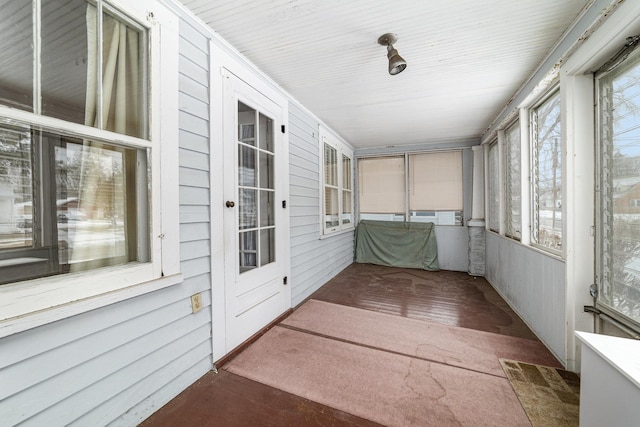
pixel 217 116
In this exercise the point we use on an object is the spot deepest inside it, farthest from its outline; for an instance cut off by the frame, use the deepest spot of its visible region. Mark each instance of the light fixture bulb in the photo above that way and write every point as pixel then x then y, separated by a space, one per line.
pixel 397 64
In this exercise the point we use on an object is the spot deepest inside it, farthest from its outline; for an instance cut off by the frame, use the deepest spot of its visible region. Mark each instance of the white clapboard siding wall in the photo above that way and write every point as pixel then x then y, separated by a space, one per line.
pixel 118 364
pixel 314 261
pixel 533 283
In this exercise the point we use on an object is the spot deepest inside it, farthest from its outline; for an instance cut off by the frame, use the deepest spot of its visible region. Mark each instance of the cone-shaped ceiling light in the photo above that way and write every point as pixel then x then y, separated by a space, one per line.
pixel 397 64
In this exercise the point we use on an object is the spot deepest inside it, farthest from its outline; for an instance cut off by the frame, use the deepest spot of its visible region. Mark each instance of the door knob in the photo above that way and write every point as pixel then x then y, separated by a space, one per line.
pixel 230 204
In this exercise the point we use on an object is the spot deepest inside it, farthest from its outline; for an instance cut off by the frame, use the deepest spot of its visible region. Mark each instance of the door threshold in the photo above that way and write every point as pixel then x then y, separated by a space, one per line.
pixel 253 338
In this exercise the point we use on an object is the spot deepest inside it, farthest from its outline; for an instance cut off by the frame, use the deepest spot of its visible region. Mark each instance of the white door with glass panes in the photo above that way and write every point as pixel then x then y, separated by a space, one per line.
pixel 256 215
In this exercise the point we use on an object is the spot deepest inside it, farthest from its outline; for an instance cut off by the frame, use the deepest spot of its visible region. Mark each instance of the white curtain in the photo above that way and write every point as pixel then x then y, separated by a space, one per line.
pixel 119 112
pixel 120 108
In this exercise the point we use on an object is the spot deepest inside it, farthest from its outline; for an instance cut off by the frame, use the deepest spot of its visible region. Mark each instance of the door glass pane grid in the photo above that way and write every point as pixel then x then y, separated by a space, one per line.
pixel 267 170
pixel 266 134
pixel 547 175
pixel 620 189
pixel 513 184
pixel 256 189
pixel 247 166
pixel 248 243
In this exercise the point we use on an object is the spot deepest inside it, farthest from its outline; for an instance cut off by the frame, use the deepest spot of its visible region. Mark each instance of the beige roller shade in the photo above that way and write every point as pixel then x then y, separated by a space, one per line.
pixel 435 181
pixel 381 185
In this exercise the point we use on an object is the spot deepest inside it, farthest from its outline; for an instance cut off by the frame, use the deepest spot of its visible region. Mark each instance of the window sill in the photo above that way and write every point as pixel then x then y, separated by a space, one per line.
pixel 337 233
pixel 532 247
pixel 37 318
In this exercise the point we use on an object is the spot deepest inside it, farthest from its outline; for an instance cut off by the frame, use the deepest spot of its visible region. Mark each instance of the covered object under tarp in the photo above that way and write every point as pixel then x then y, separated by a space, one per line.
pixel 397 244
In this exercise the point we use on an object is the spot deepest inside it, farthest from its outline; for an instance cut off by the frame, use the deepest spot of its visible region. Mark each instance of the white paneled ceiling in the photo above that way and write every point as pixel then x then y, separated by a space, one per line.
pixel 466 58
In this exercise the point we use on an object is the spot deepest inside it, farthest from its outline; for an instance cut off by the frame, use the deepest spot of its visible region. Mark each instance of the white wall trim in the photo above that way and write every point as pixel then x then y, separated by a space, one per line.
pixel 48 315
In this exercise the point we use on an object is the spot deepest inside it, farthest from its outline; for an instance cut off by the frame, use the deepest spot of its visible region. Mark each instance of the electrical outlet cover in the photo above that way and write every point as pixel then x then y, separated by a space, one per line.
pixel 196 303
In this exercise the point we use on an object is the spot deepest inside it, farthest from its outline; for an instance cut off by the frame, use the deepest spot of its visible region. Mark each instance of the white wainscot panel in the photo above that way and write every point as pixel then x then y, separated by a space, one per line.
pixel 453 247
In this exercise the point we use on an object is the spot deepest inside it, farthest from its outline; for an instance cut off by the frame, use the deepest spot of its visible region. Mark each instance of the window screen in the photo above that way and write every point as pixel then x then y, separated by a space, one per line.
pixel 619 225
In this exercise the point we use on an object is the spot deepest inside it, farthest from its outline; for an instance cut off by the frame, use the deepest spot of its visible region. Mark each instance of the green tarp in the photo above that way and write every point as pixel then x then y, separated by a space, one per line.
pixel 397 244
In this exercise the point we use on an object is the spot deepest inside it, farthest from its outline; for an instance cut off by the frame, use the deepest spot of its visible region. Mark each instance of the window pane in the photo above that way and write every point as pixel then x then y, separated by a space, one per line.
pixel 247 166
pixel 123 77
pixel 347 185
pixel 330 166
pixel 267 208
pixel 248 250
pixel 93 219
pixel 346 207
pixel 435 181
pixel 247 209
pixel 84 212
pixel 494 188
pixel 381 184
pixel 620 189
pixel 267 246
pixel 267 170
pixel 331 207
pixel 246 124
pixel 16 196
pixel 16 54
pixel 65 59
pixel 547 185
pixel 514 193
pixel 266 133
pixel 346 173
pixel 437 217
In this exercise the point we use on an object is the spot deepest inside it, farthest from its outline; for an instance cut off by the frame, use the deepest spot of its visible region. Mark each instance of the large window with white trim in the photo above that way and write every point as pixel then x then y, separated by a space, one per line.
pixel 619 210
pixel 72 200
pixel 337 194
pixel 547 174
pixel 416 187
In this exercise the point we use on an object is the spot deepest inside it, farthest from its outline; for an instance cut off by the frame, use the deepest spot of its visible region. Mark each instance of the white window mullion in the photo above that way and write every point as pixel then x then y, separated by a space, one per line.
pixel 406 188
pixel 99 59
pixel 501 183
pixel 525 177
pixel 37 27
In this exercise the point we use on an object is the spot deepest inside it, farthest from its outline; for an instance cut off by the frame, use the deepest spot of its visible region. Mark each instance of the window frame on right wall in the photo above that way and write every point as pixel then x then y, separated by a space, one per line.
pixel 618 180
pixel 546 166
pixel 493 198
pixel 513 184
